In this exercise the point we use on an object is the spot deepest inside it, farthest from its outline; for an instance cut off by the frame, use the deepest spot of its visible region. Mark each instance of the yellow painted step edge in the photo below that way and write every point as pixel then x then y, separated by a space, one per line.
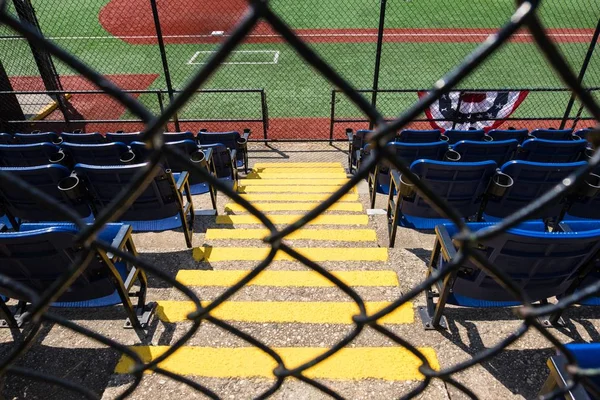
pixel 334 235
pixel 329 219
pixel 292 182
pixel 352 207
pixel 285 312
pixel 216 254
pixel 274 197
pixel 350 363
pixel 291 189
pixel 287 278
pixel 297 164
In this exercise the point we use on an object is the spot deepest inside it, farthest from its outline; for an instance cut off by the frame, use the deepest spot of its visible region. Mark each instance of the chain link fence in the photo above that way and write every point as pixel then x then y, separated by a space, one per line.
pixel 401 45
pixel 524 18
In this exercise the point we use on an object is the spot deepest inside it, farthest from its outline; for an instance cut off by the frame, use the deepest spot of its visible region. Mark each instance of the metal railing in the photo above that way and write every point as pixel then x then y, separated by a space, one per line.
pixel 525 16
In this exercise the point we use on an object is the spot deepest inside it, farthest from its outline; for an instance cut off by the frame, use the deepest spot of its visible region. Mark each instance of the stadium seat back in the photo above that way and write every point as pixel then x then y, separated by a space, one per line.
pixel 498 151
pixel 552 134
pixel 552 151
pixel 178 136
pixel 83 138
pixel 507 134
pixel 6 138
pixel 530 181
pixel 126 138
pixel 42 137
pixel 228 139
pixel 45 178
pixel 98 154
pixel 543 264
pixel 26 155
pixel 462 185
pixel 419 136
pixel 455 135
pixel 222 159
pixel 104 183
pixel 36 258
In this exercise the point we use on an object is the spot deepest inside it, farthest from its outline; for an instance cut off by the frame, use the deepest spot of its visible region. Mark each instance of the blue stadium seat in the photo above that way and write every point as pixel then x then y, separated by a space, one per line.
pixel 543 264
pixel 203 158
pixel 224 162
pixel 379 179
pixel 83 138
pixel 583 133
pixel 40 254
pixel 114 153
pixel 552 134
pixel 420 136
pixel 454 135
pixel 356 142
pixel 530 181
pixel 56 182
pixel 126 138
pixel 499 151
pixel 165 204
pixel 462 185
pixel 178 136
pixel 587 356
pixel 551 151
pixel 6 138
pixel 506 134
pixel 585 204
pixel 26 155
pixel 37 137
pixel 232 140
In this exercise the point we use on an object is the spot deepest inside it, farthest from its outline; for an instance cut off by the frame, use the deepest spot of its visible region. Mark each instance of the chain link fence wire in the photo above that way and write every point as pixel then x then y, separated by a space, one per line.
pixel 159 45
pixel 524 18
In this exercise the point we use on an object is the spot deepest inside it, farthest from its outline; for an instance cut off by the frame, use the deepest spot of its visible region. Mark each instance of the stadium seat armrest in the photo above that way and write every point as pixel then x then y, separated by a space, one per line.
pixel 246 134
pixel 350 134
pixel 395 175
pixel 182 180
pixel 563 227
pixel 208 154
pixel 120 239
pixel 443 237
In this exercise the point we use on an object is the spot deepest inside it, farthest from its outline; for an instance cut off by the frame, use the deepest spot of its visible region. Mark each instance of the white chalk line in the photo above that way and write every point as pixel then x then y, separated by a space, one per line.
pixel 275 60
pixel 332 34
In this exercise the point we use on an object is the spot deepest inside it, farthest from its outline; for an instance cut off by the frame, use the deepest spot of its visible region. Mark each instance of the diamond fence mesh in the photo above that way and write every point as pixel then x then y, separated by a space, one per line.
pixel 526 17
pixel 158 45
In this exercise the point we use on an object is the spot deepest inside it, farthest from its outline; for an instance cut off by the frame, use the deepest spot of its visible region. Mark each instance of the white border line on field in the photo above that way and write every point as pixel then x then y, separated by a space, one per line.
pixel 300 34
pixel 274 52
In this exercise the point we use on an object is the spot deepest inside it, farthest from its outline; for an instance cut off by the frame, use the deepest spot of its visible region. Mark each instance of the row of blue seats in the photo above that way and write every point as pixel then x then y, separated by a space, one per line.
pixel 232 140
pixel 108 279
pixel 543 265
pixel 359 140
pixel 87 190
pixel 534 150
pixel 483 192
pixel 216 157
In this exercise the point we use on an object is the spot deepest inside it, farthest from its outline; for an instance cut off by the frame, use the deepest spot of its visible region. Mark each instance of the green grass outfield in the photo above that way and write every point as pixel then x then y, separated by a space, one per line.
pixel 294 89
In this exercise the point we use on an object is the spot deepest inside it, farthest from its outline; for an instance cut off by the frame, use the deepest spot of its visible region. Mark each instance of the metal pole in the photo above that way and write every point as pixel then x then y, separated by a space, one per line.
pixel 163 56
pixel 382 8
pixel 264 114
pixel 332 116
pixel 582 72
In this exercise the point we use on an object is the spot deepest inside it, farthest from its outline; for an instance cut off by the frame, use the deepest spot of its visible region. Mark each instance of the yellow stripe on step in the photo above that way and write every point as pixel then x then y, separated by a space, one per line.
pixel 350 363
pixel 292 182
pixel 333 235
pixel 290 189
pixel 287 278
pixel 297 165
pixel 299 312
pixel 356 207
pixel 296 197
pixel 334 170
pixel 216 254
pixel 296 175
pixel 328 219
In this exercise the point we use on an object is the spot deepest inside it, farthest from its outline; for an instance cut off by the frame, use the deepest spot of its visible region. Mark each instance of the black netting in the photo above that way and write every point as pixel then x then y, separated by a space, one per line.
pixel 527 18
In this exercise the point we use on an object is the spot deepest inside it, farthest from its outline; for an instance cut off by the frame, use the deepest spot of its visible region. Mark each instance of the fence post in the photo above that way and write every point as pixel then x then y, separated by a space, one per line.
pixel 11 109
pixel 382 7
pixel 332 116
pixel 163 56
pixel 584 66
pixel 264 113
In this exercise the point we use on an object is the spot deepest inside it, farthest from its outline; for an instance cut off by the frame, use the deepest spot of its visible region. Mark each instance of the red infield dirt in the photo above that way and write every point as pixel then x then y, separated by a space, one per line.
pixel 191 22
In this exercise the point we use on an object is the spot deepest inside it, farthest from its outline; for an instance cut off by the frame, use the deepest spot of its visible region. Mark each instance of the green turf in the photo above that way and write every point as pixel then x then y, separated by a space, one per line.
pixel 294 89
